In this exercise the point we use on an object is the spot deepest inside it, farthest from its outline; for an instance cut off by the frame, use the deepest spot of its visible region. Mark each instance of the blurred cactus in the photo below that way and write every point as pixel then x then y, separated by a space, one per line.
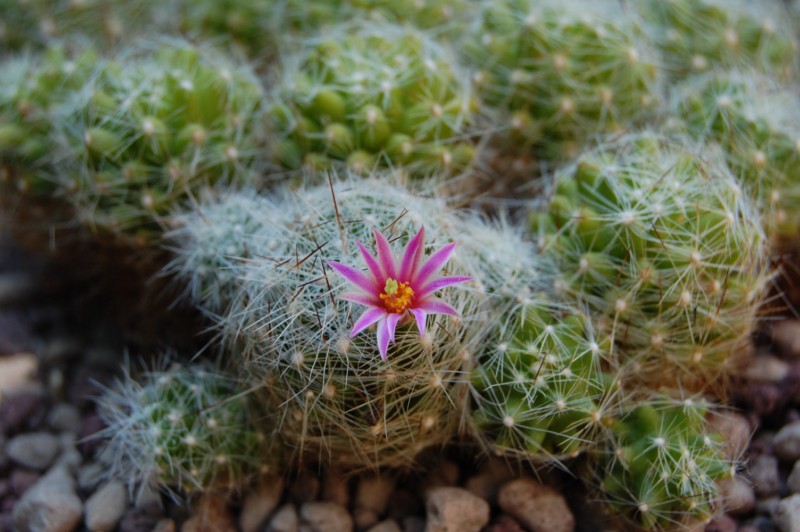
pixel 376 95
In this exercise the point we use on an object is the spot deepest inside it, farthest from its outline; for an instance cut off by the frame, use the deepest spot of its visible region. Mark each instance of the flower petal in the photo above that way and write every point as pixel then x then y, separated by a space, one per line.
pixel 355 277
pixel 386 330
pixel 412 254
pixel 372 264
pixel 368 300
pixel 368 318
pixel 420 316
pixel 433 265
pixel 441 282
pixel 385 256
pixel 434 305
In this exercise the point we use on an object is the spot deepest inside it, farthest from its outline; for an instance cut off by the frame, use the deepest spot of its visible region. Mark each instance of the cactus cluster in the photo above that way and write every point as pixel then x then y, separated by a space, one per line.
pixel 370 96
pixel 185 428
pixel 557 77
pixel 665 248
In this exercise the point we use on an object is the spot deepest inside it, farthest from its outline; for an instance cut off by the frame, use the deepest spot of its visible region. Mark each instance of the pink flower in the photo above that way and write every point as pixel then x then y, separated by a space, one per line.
pixel 392 289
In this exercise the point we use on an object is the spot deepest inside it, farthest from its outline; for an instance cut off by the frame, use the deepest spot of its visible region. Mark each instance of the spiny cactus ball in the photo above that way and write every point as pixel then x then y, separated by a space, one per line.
pixel 185 428
pixel 698 35
pixel 158 126
pixel 333 396
pixel 374 95
pixel 666 248
pixel 545 390
pixel 561 71
pixel 661 466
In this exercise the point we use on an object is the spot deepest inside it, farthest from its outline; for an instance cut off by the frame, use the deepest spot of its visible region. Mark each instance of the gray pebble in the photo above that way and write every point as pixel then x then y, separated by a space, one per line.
pixel 787 514
pixel 35 450
pixel 372 498
pixel 537 507
pixel 106 506
pixel 51 505
pixel 325 516
pixel 793 482
pixel 64 417
pixel 786 444
pixel 786 337
pixel 90 475
pixel 451 509
pixel 259 503
pixel 737 496
pixel 764 475
pixel 285 520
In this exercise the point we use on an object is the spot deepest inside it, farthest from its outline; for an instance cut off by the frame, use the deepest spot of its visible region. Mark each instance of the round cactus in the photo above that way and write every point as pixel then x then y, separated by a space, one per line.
pixel 376 95
pixel 188 428
pixel 155 128
pixel 559 72
pixel 757 123
pixel 665 247
pixel 546 390
pixel 696 35
pixel 358 399
pixel 661 465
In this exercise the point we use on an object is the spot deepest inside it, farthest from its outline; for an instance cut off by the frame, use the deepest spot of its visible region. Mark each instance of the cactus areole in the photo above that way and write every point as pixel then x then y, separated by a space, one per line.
pixel 392 289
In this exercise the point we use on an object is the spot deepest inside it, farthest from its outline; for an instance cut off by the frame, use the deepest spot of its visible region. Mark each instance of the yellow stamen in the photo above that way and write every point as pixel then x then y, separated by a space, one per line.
pixel 396 296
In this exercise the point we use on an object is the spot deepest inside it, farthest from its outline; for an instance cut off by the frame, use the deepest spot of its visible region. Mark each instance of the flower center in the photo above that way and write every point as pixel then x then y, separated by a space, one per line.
pixel 396 296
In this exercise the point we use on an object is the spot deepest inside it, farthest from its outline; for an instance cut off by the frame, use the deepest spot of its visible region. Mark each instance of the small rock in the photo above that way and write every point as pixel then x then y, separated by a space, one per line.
pixel 325 517
pixel 537 507
pixel 50 505
pixel 721 523
pixel 767 506
pixel 22 480
pixel 90 475
pixel 505 523
pixel 106 506
pixel 285 520
pixel 734 429
pixel 389 525
pixel 210 515
pixel 786 337
pixel 737 496
pixel 35 450
pixel 786 444
pixel 17 374
pixel 335 488
pixel 372 497
pixel 141 518
pixel 260 503
pixel 19 410
pixel 148 496
pixel 768 369
pixel 787 514
pixel 164 525
pixel 304 488
pixel 793 482
pixel 765 476
pixel 451 509
pixel 65 418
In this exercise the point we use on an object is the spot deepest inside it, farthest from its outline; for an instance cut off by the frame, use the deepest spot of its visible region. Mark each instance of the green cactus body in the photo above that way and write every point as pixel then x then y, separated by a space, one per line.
pixel 333 396
pixel 756 123
pixel 546 390
pixel 35 93
pixel 186 428
pixel 374 95
pixel 697 35
pixel 558 73
pixel 156 129
pixel 660 467
pixel 666 248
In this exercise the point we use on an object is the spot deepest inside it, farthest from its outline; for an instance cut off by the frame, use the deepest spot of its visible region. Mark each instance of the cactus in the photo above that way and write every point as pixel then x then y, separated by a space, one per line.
pixel 376 95
pixel 666 250
pixel 559 72
pixel 546 390
pixel 334 395
pixel 696 35
pixel 660 467
pixel 756 122
pixel 185 429
pixel 157 127
pixel 35 92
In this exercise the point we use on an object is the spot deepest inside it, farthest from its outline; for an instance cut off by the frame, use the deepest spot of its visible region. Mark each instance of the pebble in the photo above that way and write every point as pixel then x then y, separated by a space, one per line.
pixel 210 515
pixel 260 503
pixel 451 509
pixel 35 450
pixel 735 430
pixel 90 475
pixel 285 520
pixel 19 411
pixel 786 444
pixel 106 506
pixel 372 498
pixel 765 476
pixel 51 505
pixel 793 481
pixel 505 523
pixel 389 525
pixel 140 518
pixel 737 496
pixel 324 516
pixel 537 507
pixel 22 480
pixel 787 514
pixel 17 374
pixel 786 337
pixel 767 369
pixel 720 523
pixel 65 417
